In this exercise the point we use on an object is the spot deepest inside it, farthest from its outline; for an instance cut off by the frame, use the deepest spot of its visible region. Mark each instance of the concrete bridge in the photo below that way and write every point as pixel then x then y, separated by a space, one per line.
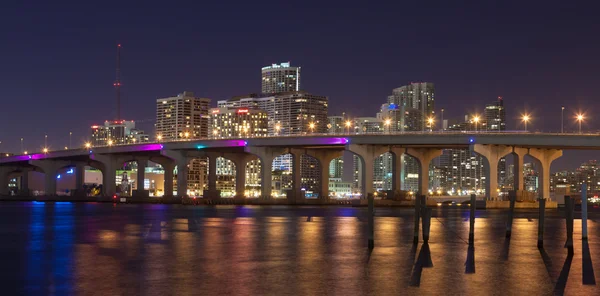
pixel 424 146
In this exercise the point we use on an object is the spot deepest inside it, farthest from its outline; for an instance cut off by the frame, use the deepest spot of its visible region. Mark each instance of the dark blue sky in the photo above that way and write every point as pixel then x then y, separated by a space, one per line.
pixel 58 58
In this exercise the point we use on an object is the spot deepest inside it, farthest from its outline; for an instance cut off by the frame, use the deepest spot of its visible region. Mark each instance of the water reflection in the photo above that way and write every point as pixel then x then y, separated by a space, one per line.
pixel 470 263
pixel 423 261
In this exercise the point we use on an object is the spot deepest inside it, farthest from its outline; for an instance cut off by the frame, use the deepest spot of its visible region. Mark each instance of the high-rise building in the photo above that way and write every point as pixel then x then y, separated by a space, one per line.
pixel 290 113
pixel 419 96
pixel 117 132
pixel 336 125
pixel 495 116
pixel 238 123
pixel 182 117
pixel 279 78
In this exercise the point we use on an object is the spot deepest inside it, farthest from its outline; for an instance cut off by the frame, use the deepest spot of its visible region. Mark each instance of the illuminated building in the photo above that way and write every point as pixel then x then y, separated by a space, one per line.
pixel 279 78
pixel 117 132
pixel 182 117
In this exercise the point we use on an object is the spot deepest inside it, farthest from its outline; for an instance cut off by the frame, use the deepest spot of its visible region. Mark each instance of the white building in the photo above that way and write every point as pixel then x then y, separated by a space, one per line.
pixel 279 78
pixel 182 117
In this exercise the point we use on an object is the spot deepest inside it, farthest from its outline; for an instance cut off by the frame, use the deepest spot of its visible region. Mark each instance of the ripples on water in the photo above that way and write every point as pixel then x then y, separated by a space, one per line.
pixel 105 249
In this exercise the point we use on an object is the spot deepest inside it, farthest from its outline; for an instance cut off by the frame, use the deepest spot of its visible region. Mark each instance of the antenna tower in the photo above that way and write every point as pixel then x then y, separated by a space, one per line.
pixel 117 83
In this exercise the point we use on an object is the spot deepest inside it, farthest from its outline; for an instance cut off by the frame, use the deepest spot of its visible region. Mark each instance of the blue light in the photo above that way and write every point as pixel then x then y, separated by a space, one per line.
pixel 200 147
pixel 29 156
pixel 245 143
pixel 393 107
pixel 471 140
pixel 58 177
pixel 70 171
pixel 90 151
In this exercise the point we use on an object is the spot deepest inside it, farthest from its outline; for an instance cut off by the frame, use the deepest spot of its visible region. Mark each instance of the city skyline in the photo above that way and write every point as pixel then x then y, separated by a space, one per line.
pixel 65 76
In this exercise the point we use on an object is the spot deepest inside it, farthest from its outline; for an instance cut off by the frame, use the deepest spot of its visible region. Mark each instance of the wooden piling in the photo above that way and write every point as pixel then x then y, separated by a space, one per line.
pixel 541 221
pixel 472 220
pixel 512 196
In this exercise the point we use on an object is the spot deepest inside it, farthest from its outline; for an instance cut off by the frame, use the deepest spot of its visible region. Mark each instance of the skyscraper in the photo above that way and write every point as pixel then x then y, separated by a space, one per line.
pixel 280 78
pixel 182 117
pixel 420 96
pixel 495 116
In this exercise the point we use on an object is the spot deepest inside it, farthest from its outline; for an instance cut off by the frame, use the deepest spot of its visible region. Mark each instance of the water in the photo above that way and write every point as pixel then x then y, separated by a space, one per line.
pixel 106 249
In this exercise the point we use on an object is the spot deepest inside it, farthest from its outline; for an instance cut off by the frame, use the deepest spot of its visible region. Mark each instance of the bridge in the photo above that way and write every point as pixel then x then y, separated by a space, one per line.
pixel 544 148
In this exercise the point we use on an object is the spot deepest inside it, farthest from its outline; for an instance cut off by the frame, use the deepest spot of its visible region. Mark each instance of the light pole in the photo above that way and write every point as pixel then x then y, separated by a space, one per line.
pixel 70 136
pixel 311 126
pixel 277 129
pixel 562 119
pixel 22 146
pixel 387 124
pixel 45 140
pixel 430 121
pixel 580 118
pixel 442 119
pixel 348 125
pixel 476 120
pixel 525 120
pixel 159 137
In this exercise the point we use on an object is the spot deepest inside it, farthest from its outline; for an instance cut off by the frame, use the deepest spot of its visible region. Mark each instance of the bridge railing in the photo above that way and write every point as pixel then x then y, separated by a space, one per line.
pixel 344 134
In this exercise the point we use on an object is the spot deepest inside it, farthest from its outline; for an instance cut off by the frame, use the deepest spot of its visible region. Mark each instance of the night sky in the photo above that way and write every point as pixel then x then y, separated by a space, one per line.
pixel 58 58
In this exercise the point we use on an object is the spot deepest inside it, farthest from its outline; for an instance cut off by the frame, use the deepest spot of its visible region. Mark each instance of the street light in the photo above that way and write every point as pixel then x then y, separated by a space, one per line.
pixel 476 120
pixel 186 134
pixel 22 149
pixel 580 118
pixel 430 121
pixel 45 150
pixel 70 136
pixel 526 119
pixel 45 140
pixel 277 129
pixel 110 142
pixel 311 126
pixel 88 145
pixel 348 125
pixel 215 133
pixel 562 119
pixel 387 124
pixel 159 137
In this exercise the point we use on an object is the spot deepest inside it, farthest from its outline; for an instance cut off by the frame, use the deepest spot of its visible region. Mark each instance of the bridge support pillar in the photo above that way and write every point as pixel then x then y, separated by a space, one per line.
pixel 240 160
pixel 24 189
pixel 79 179
pixel 181 160
pixel 141 171
pixel 397 164
pixel 348 167
pixel 266 156
pixel 324 157
pixel 424 157
pixel 297 193
pixel 367 155
pixel 168 167
pixel 492 154
pixel 4 172
pixel 518 159
pixel 544 158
